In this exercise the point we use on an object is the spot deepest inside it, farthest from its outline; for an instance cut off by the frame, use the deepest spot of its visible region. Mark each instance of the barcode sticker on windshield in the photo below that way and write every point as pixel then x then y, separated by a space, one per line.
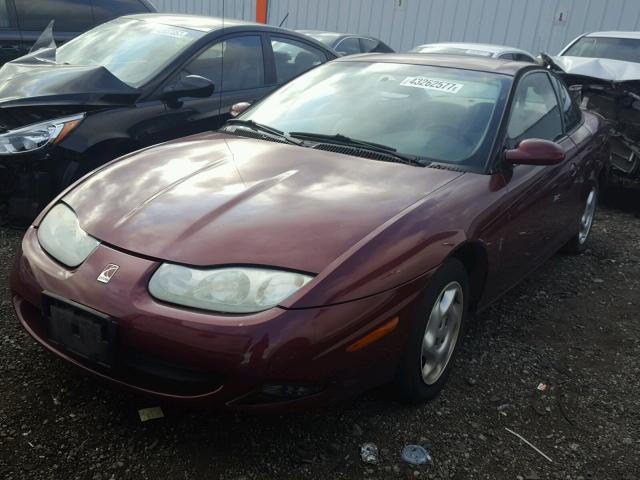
pixel 432 84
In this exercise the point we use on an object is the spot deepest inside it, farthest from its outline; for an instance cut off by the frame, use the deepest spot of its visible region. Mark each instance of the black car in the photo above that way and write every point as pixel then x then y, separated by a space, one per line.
pixel 348 43
pixel 22 21
pixel 129 83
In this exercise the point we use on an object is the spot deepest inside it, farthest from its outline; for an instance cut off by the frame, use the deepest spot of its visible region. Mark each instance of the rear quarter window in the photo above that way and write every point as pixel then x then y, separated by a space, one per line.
pixel 368 45
pixel 293 57
pixel 521 57
pixel 348 46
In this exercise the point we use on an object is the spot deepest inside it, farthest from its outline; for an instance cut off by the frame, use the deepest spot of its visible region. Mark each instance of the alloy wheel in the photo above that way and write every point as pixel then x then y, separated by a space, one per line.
pixel 441 333
pixel 586 221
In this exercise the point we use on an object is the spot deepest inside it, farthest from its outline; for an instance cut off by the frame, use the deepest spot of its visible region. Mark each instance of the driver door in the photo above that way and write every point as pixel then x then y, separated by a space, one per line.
pixel 537 195
pixel 236 67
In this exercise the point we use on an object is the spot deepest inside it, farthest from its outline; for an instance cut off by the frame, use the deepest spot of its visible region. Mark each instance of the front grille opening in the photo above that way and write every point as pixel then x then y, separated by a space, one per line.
pixel 155 374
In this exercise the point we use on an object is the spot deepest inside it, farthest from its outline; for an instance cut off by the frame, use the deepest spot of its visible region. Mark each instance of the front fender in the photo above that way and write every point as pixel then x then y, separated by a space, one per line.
pixel 407 246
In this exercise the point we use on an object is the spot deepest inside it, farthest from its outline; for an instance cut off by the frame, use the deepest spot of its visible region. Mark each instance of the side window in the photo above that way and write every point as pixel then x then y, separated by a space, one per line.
pixel 293 58
pixel 69 15
pixel 521 57
pixel 105 10
pixel 534 112
pixel 348 46
pixel 367 45
pixel 570 110
pixel 507 56
pixel 382 48
pixel 235 64
pixel 4 14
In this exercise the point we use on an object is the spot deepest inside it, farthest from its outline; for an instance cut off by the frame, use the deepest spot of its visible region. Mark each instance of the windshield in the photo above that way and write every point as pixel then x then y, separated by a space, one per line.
pixel 625 49
pixel 441 114
pixel 132 50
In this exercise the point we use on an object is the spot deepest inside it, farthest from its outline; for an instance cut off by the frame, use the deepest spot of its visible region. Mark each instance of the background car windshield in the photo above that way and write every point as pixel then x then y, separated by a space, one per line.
pixel 132 50
pixel 443 114
pixel 625 49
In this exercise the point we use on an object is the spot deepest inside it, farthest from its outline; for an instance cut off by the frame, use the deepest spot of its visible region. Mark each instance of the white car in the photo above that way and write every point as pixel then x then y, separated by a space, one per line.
pixel 621 46
pixel 478 49
pixel 604 67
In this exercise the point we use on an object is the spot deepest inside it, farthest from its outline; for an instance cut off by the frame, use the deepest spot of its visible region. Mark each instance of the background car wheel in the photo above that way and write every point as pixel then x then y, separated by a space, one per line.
pixel 578 242
pixel 436 334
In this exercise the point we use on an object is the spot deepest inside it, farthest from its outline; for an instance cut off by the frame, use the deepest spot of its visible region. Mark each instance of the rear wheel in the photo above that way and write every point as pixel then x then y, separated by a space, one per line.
pixel 436 334
pixel 577 244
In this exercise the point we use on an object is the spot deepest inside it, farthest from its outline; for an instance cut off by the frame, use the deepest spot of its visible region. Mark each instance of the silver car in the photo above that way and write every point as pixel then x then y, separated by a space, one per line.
pixel 478 49
pixel 622 46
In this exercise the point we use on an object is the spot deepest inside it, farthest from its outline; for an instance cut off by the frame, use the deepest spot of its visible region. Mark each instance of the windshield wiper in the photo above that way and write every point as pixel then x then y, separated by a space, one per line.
pixel 258 127
pixel 353 142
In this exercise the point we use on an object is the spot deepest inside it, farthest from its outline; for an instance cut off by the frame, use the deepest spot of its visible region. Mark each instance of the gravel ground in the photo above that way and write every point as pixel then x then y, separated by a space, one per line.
pixel 572 325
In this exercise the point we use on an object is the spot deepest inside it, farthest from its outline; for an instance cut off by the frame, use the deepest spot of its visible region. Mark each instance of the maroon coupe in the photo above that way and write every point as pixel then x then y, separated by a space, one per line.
pixel 335 236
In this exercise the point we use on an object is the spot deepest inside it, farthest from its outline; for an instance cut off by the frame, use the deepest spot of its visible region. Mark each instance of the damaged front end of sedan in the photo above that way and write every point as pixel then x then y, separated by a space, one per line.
pixel 610 88
pixel 41 103
pixel 27 148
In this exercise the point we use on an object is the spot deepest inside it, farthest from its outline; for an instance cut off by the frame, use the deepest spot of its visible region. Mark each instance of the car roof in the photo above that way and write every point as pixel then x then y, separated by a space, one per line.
pixel 334 35
pixel 321 33
pixel 463 62
pixel 615 34
pixel 488 47
pixel 194 22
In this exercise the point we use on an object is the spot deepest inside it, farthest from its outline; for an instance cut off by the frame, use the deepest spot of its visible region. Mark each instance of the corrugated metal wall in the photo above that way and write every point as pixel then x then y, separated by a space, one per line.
pixel 534 25
pixel 243 9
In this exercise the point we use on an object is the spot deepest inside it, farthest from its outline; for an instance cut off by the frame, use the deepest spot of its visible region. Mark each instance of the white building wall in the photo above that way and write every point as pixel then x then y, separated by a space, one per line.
pixel 243 9
pixel 534 25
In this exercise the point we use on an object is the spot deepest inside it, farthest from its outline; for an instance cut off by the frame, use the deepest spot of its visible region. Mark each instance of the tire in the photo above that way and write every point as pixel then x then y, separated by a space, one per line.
pixel 577 243
pixel 418 379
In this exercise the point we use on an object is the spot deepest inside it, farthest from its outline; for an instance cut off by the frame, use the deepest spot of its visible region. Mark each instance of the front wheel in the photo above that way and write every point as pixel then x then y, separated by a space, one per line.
pixel 436 334
pixel 577 243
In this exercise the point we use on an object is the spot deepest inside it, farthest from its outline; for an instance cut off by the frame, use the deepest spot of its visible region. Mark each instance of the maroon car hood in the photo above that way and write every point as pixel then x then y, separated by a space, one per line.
pixel 215 199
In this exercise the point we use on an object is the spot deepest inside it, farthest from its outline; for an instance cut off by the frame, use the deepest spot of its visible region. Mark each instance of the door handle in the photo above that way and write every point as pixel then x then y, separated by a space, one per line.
pixel 10 47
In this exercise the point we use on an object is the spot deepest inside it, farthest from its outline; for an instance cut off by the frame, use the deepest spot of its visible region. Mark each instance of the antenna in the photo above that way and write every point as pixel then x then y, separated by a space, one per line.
pixel 221 68
pixel 284 19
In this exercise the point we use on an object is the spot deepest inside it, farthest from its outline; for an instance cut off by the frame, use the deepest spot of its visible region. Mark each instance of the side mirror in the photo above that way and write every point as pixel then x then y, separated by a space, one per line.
pixel 238 108
pixel 535 151
pixel 193 86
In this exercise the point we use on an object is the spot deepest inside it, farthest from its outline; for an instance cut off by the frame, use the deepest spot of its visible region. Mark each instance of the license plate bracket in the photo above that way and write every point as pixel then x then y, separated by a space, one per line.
pixel 80 330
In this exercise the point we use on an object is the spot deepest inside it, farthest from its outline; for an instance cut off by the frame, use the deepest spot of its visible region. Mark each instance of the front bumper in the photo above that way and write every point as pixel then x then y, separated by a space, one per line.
pixel 29 181
pixel 188 355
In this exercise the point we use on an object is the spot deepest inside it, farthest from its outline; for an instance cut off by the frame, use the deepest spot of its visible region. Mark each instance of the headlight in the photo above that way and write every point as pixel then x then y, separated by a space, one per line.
pixel 229 290
pixel 61 237
pixel 38 135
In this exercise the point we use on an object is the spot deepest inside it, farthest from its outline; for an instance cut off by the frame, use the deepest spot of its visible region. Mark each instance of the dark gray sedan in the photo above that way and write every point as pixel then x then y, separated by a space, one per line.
pixel 348 43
